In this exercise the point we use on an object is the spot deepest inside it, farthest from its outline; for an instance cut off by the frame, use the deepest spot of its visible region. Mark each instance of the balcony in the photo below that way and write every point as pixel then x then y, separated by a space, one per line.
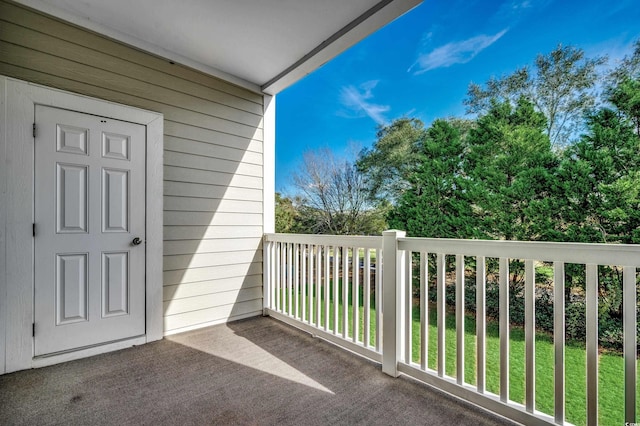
pixel 387 300
pixel 339 288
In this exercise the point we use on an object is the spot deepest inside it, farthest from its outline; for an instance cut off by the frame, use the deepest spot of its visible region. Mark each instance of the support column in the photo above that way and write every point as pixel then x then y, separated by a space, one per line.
pixel 392 284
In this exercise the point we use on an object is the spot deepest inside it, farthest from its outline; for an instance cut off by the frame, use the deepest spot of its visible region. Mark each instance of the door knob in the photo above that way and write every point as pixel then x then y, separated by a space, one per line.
pixel 136 241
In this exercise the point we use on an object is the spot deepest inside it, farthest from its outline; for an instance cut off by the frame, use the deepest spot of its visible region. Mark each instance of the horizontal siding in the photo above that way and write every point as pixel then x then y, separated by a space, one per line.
pixel 205 274
pixel 200 288
pixel 212 160
pixel 218 245
pixel 207 301
pixel 200 260
pixel 182 174
pixel 205 317
pixel 194 161
pixel 183 218
pixel 212 205
pixel 210 232
pixel 211 150
pixel 195 112
pixel 212 136
pixel 190 189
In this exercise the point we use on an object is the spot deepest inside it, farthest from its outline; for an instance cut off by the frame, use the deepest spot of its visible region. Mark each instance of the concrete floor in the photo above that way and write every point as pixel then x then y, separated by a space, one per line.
pixel 252 372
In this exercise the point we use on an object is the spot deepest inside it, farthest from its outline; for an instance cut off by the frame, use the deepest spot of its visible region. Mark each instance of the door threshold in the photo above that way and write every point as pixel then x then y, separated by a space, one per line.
pixel 86 351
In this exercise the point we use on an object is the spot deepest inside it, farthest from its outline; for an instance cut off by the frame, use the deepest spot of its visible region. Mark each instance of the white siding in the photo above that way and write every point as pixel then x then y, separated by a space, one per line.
pixel 213 158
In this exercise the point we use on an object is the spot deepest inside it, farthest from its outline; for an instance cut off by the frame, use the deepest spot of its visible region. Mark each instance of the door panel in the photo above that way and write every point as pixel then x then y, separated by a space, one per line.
pixel 89 206
pixel 115 200
pixel 71 288
pixel 72 140
pixel 72 200
pixel 115 284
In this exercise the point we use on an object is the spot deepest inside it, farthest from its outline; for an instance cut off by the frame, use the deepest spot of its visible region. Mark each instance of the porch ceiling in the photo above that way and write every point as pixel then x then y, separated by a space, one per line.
pixel 264 45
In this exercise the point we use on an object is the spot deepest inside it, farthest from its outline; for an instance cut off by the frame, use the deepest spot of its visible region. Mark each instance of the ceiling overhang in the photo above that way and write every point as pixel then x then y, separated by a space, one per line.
pixel 262 45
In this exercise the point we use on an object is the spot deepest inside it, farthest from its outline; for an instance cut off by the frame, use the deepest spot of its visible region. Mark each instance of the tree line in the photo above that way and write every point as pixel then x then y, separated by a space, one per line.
pixel 552 154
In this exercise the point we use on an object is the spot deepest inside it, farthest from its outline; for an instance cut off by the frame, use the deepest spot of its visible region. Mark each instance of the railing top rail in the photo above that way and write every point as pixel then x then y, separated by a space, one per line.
pixel 373 242
pixel 580 253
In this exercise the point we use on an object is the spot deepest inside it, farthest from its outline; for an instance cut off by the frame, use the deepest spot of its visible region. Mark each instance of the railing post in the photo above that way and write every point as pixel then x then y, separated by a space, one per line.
pixel 392 284
pixel 266 275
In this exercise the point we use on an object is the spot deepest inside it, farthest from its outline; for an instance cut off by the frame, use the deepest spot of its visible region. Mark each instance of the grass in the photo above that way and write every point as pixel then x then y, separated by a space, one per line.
pixel 611 368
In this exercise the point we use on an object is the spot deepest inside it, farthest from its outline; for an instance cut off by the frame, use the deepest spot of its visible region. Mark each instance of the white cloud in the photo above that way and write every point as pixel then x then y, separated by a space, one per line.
pixel 459 52
pixel 358 101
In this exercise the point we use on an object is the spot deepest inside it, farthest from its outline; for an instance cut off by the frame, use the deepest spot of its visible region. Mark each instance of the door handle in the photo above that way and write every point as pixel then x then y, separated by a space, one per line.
pixel 136 241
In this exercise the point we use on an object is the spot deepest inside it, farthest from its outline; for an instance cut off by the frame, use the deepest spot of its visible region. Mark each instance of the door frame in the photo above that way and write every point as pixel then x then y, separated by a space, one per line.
pixel 17 108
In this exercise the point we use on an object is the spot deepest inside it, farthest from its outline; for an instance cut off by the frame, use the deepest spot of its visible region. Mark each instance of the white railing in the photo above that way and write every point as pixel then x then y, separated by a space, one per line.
pixel 300 272
pixel 327 285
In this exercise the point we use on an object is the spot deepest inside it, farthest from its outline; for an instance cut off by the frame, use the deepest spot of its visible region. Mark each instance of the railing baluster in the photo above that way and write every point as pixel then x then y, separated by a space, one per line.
pixel 289 279
pixel 282 285
pixel 272 274
pixel 481 323
pixel 336 274
pixel 530 335
pixel 296 280
pixel 630 342
pixel 460 319
pixel 378 298
pixel 310 284
pixel 318 283
pixel 440 276
pixel 504 329
pixel 366 277
pixel 592 343
pixel 326 288
pixel 558 340
pixel 345 292
pixel 424 311
pixel 355 295
pixel 408 273
pixel 303 282
pixel 276 282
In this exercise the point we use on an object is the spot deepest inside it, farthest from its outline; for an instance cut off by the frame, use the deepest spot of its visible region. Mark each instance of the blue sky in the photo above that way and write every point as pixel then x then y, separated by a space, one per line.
pixel 421 65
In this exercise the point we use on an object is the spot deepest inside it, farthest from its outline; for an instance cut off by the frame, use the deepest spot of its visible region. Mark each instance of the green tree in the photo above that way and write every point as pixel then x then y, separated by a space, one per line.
pixel 629 67
pixel 625 96
pixel 436 203
pixel 561 86
pixel 601 174
pixel 512 172
pixel 393 157
pixel 286 214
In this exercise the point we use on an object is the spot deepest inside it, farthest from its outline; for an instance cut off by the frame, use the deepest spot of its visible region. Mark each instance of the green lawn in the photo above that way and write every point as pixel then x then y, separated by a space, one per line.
pixel 611 369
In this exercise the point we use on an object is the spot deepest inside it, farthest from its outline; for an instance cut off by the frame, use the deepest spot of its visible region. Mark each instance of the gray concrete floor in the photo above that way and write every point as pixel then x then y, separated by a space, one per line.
pixel 252 372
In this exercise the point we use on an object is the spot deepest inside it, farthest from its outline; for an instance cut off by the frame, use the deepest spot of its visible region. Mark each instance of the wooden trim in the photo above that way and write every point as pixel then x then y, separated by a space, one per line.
pixel 364 25
pixel 269 164
pixel 44 361
pixel 3 229
pixel 19 199
pixel 328 240
pixel 348 345
pixel 21 100
pixel 600 254
pixel 467 393
pixel 155 201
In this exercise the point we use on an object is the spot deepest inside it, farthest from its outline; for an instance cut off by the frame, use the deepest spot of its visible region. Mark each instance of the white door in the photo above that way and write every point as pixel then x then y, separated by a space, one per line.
pixel 89 230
